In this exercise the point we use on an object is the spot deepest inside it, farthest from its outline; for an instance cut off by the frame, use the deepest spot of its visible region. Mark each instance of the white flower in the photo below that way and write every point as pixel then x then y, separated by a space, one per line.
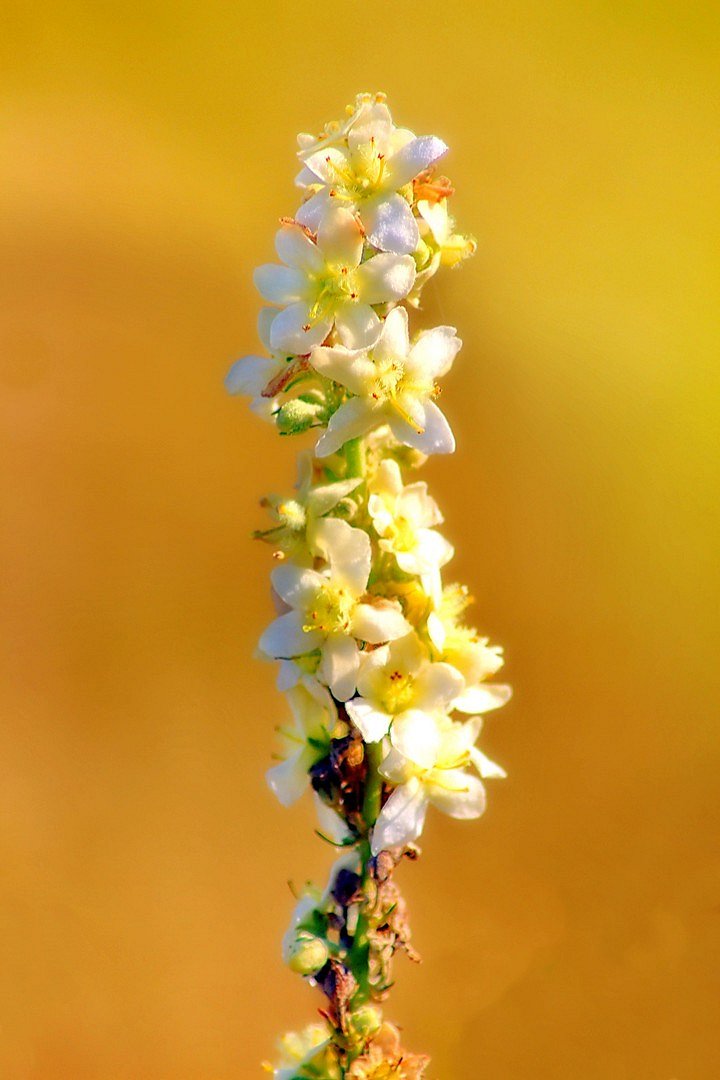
pixel 314 716
pixel 324 284
pixel 365 171
pixel 394 384
pixel 251 375
pixel 396 682
pixel 403 518
pixel 297 517
pixel 468 653
pixel 427 763
pixel 326 609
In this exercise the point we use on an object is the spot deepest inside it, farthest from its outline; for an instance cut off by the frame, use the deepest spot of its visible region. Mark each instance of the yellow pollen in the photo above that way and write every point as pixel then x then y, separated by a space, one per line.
pixel 330 612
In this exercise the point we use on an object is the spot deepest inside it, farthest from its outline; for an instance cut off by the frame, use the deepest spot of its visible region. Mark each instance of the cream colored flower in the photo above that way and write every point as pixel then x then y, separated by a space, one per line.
pixel 403 518
pixel 322 283
pixel 469 653
pixel 394 383
pixel 366 170
pixel 327 610
pixel 314 716
pixel 395 683
pixel 427 764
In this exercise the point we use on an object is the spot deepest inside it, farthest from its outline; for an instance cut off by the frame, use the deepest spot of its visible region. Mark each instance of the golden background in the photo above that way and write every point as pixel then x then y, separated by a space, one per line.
pixel 148 152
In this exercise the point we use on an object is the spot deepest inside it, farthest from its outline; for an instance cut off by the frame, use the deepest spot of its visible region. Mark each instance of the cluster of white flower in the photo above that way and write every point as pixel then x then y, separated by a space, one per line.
pixel 373 649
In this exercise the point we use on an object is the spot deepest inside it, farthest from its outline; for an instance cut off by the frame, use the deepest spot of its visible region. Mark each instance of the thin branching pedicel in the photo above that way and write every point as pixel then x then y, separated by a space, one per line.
pixel 385 681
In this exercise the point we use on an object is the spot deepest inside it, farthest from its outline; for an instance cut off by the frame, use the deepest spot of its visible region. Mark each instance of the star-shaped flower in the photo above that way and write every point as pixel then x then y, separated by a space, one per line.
pixel 393 383
pixel 326 609
pixel 323 283
pixel 403 517
pixel 427 764
pixel 397 681
pixel 366 171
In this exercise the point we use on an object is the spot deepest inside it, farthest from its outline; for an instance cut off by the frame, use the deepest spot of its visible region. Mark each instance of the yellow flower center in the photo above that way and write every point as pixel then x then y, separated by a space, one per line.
pixel 393 381
pixel 404 535
pixel 336 286
pixel 398 691
pixel 353 182
pixel 330 611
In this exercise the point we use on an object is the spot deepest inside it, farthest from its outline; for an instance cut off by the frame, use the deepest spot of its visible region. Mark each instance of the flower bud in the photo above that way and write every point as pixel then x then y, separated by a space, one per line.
pixel 366 1020
pixel 307 954
pixel 456 248
pixel 291 515
pixel 296 416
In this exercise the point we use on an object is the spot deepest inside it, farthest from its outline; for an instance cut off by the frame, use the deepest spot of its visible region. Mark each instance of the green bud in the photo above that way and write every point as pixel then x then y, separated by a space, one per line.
pixel 308 954
pixel 422 255
pixel 366 1020
pixel 296 416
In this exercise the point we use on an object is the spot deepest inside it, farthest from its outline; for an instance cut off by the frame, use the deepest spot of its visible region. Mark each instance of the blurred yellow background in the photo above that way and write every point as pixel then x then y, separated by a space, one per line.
pixel 148 153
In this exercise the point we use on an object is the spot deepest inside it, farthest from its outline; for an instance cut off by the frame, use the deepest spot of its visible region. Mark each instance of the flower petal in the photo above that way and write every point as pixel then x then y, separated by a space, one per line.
pixel 371 722
pixel 390 225
pixel 415 156
pixel 295 248
pixel 415 735
pixel 266 315
pixel 353 418
pixel 289 675
pixel 349 367
pixel 327 164
pixel 402 817
pixel 329 821
pixel 296 585
pixel 396 768
pixel 394 342
pixel 340 237
pixel 281 284
pixel 482 698
pixel 436 630
pixel 251 374
pixel 339 665
pixel 288 779
pixel 436 436
pixel 437 686
pixel 459 794
pixel 488 769
pixel 357 324
pixel 325 497
pixel 314 209
pixel 285 637
pixel 372 122
pixel 434 351
pixel 347 550
pixel 293 331
pixel 305 178
pixel 385 277
pixel 431 551
pixel 378 622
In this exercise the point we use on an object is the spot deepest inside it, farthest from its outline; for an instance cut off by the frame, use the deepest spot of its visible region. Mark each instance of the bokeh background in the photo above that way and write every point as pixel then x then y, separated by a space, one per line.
pixel 148 152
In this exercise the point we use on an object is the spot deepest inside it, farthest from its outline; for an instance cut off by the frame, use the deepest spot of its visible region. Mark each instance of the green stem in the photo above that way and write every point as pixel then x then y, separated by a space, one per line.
pixel 360 952
pixel 355 457
pixel 373 783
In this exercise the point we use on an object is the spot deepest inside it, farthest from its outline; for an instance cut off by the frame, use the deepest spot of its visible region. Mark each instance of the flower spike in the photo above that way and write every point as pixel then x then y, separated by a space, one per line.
pixel 386 683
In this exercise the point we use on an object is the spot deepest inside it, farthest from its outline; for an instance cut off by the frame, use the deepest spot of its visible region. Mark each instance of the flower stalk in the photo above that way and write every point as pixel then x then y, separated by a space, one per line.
pixel 385 681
